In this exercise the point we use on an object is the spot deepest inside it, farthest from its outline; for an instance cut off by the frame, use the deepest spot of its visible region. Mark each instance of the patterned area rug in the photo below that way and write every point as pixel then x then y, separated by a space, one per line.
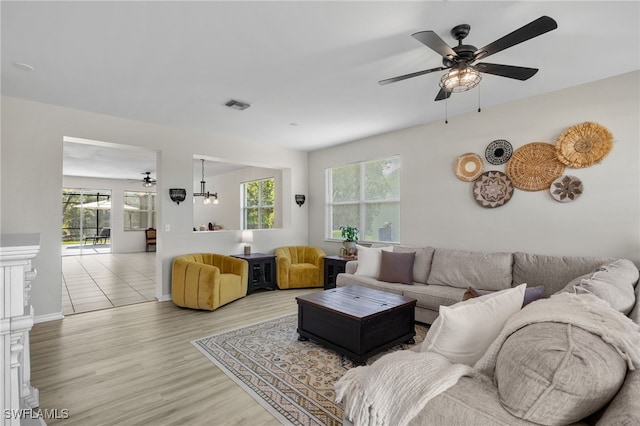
pixel 293 380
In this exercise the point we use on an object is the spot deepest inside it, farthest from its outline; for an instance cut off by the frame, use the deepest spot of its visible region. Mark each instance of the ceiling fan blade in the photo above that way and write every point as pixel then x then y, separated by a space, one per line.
pixel 532 29
pixel 509 71
pixel 413 74
pixel 434 42
pixel 442 94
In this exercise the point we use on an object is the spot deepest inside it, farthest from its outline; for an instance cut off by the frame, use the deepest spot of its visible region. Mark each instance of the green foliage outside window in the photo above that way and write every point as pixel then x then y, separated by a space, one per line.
pixel 258 208
pixel 366 195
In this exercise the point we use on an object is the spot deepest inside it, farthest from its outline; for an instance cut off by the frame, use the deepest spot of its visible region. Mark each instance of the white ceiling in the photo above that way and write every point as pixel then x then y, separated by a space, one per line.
pixel 315 64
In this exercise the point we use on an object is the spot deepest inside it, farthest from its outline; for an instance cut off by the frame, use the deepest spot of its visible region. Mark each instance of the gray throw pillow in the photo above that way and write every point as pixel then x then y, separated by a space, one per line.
pixel 556 374
pixel 396 267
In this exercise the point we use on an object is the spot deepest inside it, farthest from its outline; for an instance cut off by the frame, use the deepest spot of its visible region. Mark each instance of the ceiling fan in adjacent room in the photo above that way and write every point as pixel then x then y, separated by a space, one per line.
pixel 464 73
pixel 147 180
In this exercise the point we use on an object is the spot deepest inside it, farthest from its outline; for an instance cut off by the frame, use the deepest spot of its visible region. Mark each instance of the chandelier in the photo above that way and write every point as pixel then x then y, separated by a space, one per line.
pixel 208 198
pixel 461 78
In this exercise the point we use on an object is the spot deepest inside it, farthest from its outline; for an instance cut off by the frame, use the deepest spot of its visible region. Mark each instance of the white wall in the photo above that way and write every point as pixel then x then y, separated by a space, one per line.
pixel 121 241
pixel 227 185
pixel 438 208
pixel 31 157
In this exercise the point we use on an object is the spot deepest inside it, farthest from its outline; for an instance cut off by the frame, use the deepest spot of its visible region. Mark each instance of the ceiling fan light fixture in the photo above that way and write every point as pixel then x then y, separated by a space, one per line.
pixel 460 79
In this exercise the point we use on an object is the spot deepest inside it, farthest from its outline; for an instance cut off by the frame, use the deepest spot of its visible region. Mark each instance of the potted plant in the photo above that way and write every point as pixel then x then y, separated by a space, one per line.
pixel 349 236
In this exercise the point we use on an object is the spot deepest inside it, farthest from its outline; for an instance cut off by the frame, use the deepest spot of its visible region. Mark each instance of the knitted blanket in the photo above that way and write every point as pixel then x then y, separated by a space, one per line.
pixel 394 389
pixel 585 311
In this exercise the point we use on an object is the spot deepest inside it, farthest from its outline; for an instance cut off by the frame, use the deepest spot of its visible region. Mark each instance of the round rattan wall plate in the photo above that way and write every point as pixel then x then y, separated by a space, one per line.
pixel 584 145
pixel 566 188
pixel 469 166
pixel 498 152
pixel 492 189
pixel 534 166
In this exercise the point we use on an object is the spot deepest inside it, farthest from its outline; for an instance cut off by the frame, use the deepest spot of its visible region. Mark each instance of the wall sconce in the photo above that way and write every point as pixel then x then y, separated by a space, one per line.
pixel 300 199
pixel 247 237
pixel 178 194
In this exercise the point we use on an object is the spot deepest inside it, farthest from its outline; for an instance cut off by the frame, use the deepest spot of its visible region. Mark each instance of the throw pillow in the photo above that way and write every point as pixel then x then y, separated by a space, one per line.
pixel 369 260
pixel 396 267
pixel 531 294
pixel 556 374
pixel 463 332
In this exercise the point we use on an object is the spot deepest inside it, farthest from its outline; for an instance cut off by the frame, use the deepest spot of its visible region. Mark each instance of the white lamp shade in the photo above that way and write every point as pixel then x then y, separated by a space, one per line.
pixel 247 236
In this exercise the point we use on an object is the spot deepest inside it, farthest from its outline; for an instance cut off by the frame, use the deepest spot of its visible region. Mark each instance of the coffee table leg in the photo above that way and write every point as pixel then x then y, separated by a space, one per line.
pixel 302 338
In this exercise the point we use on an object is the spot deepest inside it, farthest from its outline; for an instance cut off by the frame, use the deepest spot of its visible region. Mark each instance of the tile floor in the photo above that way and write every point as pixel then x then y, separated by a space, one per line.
pixel 101 281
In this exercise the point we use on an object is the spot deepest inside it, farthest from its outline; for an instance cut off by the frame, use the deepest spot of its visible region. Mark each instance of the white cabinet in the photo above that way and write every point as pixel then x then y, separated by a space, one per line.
pixel 16 320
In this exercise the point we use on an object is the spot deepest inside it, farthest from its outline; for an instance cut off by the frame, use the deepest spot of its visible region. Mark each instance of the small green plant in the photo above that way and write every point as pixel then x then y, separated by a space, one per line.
pixel 349 233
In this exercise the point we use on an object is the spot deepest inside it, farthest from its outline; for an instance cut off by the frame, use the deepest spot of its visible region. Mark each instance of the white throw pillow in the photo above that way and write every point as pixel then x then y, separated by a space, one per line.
pixel 463 332
pixel 369 259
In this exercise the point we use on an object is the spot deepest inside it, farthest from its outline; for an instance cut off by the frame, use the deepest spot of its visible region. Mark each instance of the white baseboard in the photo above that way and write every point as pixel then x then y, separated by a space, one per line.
pixel 164 298
pixel 48 317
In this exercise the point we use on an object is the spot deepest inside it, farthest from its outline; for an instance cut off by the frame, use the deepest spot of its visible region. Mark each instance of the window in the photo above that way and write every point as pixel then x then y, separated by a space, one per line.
pixel 139 210
pixel 365 195
pixel 258 204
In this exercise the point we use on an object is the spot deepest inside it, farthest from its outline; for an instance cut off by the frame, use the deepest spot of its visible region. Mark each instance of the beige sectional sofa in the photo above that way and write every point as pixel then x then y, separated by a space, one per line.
pixel 442 275
pixel 526 359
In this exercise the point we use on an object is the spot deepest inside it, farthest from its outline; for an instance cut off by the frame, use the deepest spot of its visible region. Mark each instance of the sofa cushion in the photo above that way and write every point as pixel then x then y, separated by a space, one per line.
pixel 463 332
pixel 421 263
pixel 531 294
pixel 396 267
pixel 347 279
pixel 369 260
pixel 554 373
pixel 463 269
pixel 553 272
pixel 433 296
pixel 613 282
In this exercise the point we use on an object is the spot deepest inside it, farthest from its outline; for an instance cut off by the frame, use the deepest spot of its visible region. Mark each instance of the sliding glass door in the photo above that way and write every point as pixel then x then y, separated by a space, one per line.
pixel 86 221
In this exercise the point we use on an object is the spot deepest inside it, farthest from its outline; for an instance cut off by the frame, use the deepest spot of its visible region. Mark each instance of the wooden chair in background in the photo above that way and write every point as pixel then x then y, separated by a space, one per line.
pixel 151 238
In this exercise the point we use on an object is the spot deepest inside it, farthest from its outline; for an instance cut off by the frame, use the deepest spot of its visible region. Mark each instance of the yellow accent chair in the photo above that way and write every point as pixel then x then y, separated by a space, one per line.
pixel 208 281
pixel 300 267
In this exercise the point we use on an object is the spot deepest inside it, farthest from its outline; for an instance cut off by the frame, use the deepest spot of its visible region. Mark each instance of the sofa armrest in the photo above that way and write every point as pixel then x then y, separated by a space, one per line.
pixel 190 280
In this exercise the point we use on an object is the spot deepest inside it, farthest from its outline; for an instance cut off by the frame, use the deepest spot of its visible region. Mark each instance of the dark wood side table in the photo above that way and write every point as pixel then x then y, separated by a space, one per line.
pixel 334 265
pixel 262 271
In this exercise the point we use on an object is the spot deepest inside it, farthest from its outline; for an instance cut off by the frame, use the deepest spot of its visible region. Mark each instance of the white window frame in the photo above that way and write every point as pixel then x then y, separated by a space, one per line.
pixel 260 206
pixel 362 202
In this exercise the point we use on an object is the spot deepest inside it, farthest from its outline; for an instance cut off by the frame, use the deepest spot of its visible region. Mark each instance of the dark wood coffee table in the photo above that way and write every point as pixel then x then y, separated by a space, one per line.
pixel 356 321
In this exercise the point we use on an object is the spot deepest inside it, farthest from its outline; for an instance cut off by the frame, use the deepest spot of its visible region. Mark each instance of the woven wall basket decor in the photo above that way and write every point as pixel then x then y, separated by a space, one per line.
pixel 584 145
pixel 469 166
pixel 498 152
pixel 534 166
pixel 492 189
pixel 566 188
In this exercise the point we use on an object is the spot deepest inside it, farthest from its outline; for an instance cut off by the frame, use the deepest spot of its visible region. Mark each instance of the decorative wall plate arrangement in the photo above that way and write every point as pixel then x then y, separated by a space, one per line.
pixel 534 166
pixel 584 145
pixel 469 166
pixel 492 189
pixel 566 188
pixel 498 152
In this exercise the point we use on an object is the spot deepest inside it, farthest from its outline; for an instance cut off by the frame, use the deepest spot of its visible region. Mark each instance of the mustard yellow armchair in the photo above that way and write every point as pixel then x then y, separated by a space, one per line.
pixel 207 280
pixel 299 267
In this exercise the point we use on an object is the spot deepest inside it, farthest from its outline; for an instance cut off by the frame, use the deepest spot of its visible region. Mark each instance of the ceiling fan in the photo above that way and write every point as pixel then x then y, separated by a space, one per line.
pixel 464 73
pixel 148 181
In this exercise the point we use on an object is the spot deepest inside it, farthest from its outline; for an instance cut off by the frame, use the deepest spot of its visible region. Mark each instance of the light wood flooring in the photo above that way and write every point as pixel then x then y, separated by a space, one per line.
pixel 135 365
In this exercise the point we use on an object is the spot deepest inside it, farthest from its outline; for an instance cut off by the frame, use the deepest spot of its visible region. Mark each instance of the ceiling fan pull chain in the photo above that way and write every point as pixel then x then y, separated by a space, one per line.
pixel 446 110
pixel 479 109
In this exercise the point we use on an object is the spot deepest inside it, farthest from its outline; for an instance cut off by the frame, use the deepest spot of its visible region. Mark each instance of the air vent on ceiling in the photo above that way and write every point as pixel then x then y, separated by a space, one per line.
pixel 237 105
